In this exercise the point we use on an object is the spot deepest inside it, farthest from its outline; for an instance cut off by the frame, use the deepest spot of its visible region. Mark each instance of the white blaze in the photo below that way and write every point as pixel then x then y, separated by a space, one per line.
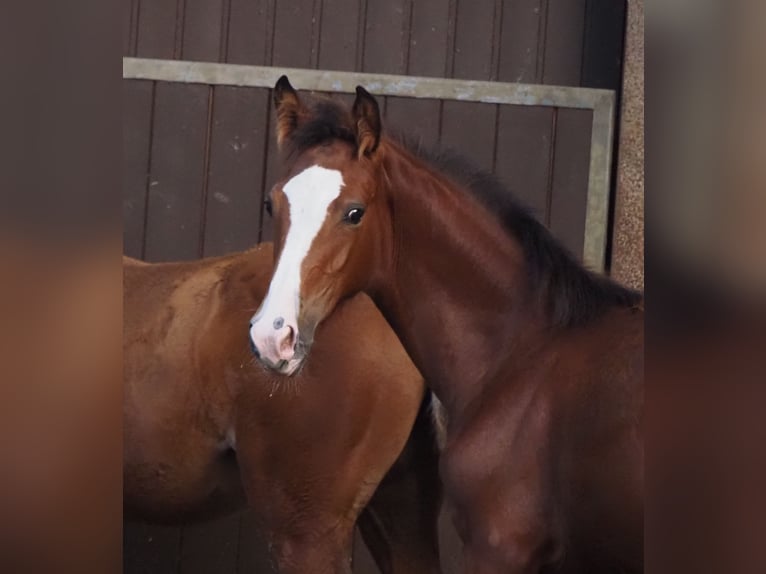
pixel 309 194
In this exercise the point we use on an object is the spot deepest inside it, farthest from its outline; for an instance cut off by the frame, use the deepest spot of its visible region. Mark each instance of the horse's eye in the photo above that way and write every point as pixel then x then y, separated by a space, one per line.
pixel 354 215
pixel 267 204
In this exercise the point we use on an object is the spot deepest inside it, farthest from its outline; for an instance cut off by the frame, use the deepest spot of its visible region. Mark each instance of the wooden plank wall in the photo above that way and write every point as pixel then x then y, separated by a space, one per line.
pixel 197 158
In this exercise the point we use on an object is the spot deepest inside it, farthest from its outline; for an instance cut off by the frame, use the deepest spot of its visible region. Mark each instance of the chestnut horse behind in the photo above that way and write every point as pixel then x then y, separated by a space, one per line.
pixel 205 424
pixel 537 361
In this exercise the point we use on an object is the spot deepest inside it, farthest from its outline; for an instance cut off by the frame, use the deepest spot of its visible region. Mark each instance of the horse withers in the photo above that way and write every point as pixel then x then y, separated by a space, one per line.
pixel 537 361
pixel 207 428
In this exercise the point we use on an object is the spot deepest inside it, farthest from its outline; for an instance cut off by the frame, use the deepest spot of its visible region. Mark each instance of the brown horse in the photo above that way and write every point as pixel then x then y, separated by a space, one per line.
pixel 205 424
pixel 538 362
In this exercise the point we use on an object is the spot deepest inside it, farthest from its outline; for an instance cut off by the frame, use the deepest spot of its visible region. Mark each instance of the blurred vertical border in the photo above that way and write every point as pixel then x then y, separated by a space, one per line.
pixel 60 287
pixel 706 286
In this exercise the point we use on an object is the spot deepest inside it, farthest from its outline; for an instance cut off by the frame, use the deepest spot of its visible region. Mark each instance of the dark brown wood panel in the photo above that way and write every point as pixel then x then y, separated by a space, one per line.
pixel 150 549
pixel 577 42
pixel 129 26
pixel 253 550
pixel 344 99
pixel 157 32
pixel 524 134
pixel 386 42
pixel 294 34
pixel 450 545
pixel 177 177
pixel 250 32
pixel 210 547
pixel 429 37
pixel 466 126
pixel 570 177
pixel 236 169
pixel 469 128
pixel 564 42
pixel 417 119
pixel 475 40
pixel 251 41
pixel 202 30
pixel 524 154
pixel 363 562
pixel 137 97
pixel 339 34
pixel 520 41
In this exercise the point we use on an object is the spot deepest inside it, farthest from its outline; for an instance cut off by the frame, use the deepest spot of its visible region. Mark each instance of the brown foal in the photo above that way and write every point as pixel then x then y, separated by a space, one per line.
pixel 538 362
pixel 206 425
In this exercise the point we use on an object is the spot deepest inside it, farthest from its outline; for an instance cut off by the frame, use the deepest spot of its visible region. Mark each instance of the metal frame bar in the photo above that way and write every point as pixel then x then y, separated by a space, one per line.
pixel 602 102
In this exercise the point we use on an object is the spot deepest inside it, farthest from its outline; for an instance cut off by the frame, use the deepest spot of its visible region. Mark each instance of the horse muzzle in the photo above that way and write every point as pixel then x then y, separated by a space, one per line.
pixel 277 345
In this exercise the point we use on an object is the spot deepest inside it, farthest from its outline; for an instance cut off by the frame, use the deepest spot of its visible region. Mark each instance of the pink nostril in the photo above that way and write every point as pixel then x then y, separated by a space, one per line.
pixel 287 344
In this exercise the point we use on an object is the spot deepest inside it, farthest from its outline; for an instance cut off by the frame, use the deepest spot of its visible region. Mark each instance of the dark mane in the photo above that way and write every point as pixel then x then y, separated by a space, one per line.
pixel 575 295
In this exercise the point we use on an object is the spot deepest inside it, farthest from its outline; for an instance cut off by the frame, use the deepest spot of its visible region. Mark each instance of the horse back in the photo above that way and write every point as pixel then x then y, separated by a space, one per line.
pixel 192 385
pixel 176 416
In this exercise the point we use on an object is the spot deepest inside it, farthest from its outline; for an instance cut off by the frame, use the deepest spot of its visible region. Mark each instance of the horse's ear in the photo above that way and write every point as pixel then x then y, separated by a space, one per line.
pixel 289 108
pixel 368 125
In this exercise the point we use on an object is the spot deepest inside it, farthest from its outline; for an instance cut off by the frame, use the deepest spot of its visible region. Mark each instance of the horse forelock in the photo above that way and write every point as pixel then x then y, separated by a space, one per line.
pixel 325 121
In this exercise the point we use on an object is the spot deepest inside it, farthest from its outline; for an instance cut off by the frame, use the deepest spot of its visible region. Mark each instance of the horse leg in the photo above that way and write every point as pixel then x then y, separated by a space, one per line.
pixel 519 559
pixel 530 550
pixel 306 519
pixel 319 549
pixel 400 523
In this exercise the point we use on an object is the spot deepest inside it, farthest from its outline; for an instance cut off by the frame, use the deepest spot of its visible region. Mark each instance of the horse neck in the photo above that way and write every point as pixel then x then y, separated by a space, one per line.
pixel 455 290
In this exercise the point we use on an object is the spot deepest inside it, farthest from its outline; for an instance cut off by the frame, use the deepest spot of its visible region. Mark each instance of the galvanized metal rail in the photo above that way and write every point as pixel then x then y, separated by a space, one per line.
pixel 602 102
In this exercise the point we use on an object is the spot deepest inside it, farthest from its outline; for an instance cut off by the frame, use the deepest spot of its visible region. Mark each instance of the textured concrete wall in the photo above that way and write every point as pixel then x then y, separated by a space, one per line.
pixel 628 240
